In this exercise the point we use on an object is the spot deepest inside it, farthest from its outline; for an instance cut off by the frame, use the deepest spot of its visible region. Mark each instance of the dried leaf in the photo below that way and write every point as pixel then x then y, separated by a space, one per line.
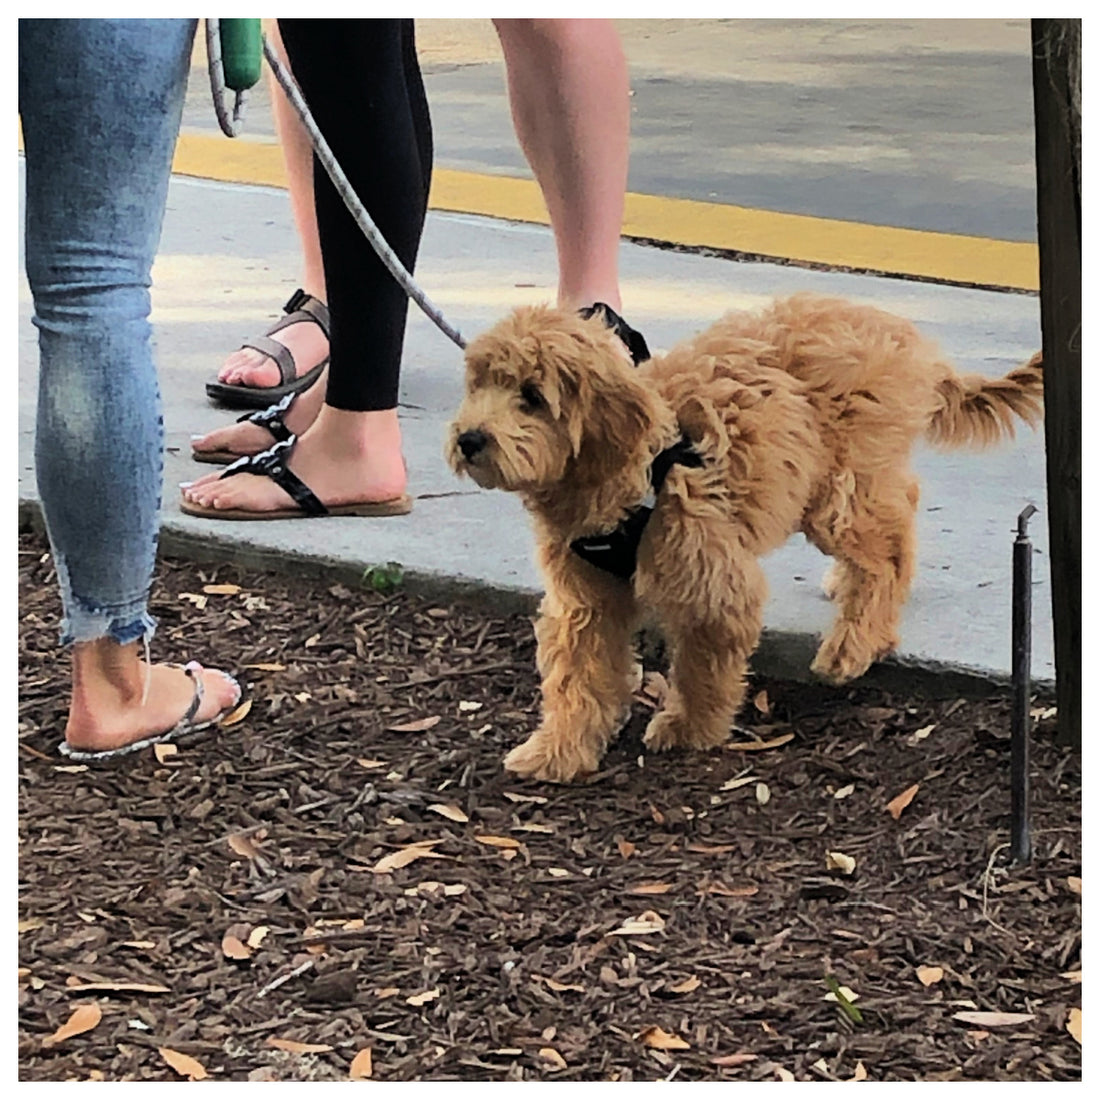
pixel 1074 883
pixel 763 793
pixel 919 735
pixel 361 1065
pixel 558 872
pixel 688 985
pixel 712 849
pixel 508 854
pixel 844 791
pixel 71 769
pixel 659 1039
pixel 31 924
pixel 759 746
pixel 267 667
pixel 838 861
pixel 183 1064
pixel 896 805
pixel 1073 1024
pixel 221 589
pixel 724 891
pixel 733 784
pixel 257 936
pixel 555 1060
pixel 451 812
pixel 562 987
pixel 419 999
pixel 849 995
pixel 626 849
pixel 292 1046
pixel 645 925
pixel 386 991
pixel 232 948
pixel 235 716
pixel 650 888
pixel 783 1074
pixel 404 856
pixel 1071 976
pixel 993 1019
pixel 534 827
pixel 193 597
pixel 466 706
pixel 929 975
pixel 761 703
pixel 860 1073
pixel 733 1059
pixel 164 750
pixel 370 764
pixel 243 845
pixel 656 814
pixel 84 1018
pixel 419 726
pixel 498 841
pixel 536 798
pixel 143 945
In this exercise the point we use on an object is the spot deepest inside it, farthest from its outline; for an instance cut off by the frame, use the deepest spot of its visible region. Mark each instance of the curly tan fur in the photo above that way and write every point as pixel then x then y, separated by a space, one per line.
pixel 805 414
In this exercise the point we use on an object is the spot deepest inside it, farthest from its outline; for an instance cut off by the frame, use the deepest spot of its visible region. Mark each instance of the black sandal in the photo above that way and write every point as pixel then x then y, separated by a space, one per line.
pixel 632 338
pixel 300 307
pixel 270 418
pixel 272 463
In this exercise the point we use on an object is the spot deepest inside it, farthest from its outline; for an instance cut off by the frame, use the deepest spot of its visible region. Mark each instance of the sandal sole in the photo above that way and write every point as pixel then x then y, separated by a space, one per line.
pixel 259 397
pixel 398 506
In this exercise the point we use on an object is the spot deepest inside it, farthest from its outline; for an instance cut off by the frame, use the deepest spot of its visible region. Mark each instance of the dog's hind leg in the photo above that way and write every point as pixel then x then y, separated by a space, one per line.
pixel 711 642
pixel 875 552
pixel 587 663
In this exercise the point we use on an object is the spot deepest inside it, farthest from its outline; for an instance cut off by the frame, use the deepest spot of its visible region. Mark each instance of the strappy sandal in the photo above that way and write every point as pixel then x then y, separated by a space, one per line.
pixel 300 307
pixel 632 338
pixel 272 463
pixel 185 727
pixel 270 418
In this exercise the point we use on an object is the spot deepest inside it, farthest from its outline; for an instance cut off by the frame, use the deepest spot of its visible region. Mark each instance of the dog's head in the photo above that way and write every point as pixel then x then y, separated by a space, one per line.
pixel 550 398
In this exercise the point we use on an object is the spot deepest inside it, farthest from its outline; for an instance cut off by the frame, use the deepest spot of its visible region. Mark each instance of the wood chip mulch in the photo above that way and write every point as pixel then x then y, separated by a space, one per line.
pixel 347 869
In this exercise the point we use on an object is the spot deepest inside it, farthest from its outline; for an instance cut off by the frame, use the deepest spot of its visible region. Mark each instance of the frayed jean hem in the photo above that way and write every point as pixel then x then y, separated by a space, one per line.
pixel 89 624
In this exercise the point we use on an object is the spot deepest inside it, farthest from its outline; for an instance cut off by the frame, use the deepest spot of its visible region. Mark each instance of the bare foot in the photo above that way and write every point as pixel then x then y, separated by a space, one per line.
pixel 248 438
pixel 305 340
pixel 344 457
pixel 109 684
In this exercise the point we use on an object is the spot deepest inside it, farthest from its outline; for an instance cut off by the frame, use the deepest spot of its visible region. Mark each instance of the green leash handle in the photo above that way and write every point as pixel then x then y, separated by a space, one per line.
pixel 242 52
pixel 234 49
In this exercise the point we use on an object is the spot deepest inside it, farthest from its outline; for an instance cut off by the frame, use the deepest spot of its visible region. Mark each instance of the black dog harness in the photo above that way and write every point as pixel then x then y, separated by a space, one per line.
pixel 617 551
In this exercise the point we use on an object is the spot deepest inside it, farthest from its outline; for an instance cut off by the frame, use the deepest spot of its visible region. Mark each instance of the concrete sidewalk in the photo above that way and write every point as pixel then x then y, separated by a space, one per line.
pixel 228 258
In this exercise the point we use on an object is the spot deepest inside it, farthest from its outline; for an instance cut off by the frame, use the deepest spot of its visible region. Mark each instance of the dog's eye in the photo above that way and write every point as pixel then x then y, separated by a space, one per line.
pixel 531 397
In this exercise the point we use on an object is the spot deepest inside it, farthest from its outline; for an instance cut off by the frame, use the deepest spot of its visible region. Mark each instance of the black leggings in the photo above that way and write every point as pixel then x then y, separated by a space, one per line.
pixel 361 81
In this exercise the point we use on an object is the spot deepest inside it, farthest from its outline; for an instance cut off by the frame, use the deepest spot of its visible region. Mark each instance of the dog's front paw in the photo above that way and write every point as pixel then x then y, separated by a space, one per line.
pixel 539 757
pixel 673 731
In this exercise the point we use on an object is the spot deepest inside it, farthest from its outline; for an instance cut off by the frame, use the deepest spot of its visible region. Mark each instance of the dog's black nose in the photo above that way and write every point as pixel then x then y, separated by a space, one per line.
pixel 470 443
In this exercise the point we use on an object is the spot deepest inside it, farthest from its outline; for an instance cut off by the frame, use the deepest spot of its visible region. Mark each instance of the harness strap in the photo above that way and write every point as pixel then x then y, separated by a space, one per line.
pixel 616 552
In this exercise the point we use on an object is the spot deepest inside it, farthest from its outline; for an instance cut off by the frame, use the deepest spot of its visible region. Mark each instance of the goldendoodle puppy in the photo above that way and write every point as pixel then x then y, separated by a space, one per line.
pixel 800 417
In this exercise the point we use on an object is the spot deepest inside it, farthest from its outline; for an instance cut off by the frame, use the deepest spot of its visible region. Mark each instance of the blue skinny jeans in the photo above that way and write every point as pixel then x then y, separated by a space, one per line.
pixel 100 102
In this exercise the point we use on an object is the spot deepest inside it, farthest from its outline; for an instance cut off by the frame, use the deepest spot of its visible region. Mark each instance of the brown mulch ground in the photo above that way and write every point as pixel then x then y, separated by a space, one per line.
pixel 252 856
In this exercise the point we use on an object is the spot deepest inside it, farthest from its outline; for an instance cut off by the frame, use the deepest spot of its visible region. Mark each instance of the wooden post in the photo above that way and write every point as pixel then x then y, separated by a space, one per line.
pixel 1056 79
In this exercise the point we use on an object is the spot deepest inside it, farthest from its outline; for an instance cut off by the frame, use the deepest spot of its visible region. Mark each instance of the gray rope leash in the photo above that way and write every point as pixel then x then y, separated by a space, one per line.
pixel 351 200
pixel 231 126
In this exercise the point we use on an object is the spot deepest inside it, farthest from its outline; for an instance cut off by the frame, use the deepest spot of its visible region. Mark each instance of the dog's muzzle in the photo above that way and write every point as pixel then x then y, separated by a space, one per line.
pixel 472 443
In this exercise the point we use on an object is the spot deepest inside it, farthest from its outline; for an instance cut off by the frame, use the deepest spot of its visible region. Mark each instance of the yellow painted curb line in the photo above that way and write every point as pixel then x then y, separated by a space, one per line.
pixel 942 257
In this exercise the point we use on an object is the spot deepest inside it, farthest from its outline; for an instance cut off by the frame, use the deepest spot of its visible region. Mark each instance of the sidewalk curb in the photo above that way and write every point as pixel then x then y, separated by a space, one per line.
pixel 781 655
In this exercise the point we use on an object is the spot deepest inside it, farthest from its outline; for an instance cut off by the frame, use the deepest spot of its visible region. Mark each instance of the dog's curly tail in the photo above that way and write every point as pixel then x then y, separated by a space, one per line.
pixel 976 411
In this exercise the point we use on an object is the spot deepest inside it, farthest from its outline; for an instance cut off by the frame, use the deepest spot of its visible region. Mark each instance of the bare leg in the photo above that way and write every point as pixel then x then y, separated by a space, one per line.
pixel 306 341
pixel 568 85
pixel 587 667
